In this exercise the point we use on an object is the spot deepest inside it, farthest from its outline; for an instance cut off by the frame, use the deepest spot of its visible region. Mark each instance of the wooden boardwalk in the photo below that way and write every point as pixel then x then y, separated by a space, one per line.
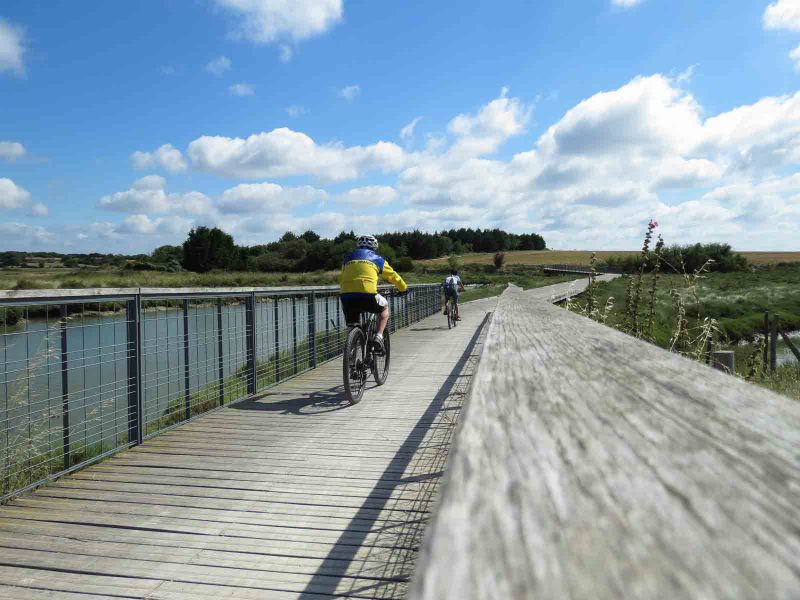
pixel 293 495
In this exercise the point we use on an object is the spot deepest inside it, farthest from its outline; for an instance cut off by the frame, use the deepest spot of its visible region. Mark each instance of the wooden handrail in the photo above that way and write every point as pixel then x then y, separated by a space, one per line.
pixel 589 464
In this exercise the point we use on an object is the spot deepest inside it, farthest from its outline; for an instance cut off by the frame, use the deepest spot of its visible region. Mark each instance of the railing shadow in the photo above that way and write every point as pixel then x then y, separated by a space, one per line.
pixel 359 555
pixel 315 403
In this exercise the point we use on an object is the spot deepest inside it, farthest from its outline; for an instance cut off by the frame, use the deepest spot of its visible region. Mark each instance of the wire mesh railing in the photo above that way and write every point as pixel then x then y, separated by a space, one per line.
pixel 86 373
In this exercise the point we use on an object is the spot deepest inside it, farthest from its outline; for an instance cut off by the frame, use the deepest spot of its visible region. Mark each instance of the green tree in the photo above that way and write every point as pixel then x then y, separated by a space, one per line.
pixel 310 236
pixel 387 252
pixel 206 249
pixel 166 254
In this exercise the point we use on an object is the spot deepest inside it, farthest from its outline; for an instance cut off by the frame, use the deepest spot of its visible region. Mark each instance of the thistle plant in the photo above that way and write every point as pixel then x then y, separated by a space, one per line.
pixel 591 302
pixel 702 343
pixel 636 294
pixel 607 310
pixel 680 336
pixel 651 322
pixel 755 362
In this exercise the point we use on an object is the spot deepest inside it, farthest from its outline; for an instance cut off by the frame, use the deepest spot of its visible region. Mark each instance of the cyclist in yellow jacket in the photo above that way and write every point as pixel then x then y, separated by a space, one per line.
pixel 359 284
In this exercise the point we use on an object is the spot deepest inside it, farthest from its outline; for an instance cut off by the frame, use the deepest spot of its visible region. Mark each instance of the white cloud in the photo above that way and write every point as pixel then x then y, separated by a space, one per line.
pixel 144 225
pixel 795 56
pixel 166 157
pixel 592 179
pixel 367 197
pixel 218 66
pixel 783 14
pixel 11 151
pixel 12 48
pixel 407 132
pixel 147 195
pixel 349 92
pixel 295 111
pixel 626 3
pixel 283 152
pixel 242 89
pixel 21 236
pixel 39 210
pixel 272 21
pixel 286 54
pixel 12 196
pixel 267 197
pixel 484 132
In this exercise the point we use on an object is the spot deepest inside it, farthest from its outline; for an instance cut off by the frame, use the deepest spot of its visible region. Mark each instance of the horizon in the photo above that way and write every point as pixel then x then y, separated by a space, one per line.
pixel 125 126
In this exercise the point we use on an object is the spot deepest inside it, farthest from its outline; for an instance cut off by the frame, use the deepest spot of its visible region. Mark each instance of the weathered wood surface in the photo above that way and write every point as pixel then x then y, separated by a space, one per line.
pixel 295 495
pixel 588 464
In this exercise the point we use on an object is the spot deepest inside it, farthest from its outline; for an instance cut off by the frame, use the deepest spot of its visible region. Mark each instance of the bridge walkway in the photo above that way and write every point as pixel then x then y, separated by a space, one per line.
pixel 292 495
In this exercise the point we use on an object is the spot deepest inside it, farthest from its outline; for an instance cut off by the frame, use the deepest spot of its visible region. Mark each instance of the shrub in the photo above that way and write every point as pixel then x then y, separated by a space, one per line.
pixel 685 259
pixel 499 260
pixel 404 263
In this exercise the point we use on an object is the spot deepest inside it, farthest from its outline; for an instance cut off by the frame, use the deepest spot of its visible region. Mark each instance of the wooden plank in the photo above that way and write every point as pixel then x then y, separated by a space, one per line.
pixel 263 500
pixel 590 464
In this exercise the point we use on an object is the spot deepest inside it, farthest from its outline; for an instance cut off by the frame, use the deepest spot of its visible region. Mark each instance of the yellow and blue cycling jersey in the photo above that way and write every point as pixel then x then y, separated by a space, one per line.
pixel 360 272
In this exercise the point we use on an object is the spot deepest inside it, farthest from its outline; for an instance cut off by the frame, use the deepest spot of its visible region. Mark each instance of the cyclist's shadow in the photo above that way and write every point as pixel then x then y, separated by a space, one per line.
pixel 314 403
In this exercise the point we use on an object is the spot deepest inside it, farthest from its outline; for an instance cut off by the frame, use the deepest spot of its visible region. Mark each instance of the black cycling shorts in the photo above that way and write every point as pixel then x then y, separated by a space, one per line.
pixel 353 306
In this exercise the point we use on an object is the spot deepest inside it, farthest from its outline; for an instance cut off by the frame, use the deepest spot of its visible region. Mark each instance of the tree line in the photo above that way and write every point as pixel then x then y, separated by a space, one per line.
pixel 207 249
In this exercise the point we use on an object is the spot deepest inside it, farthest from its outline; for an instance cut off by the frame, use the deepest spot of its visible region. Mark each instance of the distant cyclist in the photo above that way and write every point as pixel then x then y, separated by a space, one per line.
pixel 452 285
pixel 359 285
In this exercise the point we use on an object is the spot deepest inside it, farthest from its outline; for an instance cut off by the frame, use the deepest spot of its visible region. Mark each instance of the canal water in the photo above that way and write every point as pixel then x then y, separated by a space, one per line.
pixel 97 366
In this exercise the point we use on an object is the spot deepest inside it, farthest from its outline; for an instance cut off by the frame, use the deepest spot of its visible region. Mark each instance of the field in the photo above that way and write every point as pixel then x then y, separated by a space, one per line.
pixel 581 257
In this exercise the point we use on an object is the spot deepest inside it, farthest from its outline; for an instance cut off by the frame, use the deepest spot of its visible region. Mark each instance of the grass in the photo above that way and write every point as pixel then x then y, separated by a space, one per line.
pixel 737 301
pixel 785 380
pixel 581 257
pixel 71 278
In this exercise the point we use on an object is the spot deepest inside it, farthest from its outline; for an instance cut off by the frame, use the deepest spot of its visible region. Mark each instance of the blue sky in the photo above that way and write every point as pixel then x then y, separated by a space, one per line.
pixel 124 124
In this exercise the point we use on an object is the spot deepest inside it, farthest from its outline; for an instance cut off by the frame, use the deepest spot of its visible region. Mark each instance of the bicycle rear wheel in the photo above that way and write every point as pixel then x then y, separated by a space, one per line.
pixel 380 363
pixel 354 367
pixel 449 313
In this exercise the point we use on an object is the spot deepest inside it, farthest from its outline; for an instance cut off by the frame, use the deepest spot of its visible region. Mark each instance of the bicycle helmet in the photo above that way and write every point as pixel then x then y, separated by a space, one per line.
pixel 368 241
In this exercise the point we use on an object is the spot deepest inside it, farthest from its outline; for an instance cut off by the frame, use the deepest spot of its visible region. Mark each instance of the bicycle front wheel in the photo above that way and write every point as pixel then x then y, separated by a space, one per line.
pixel 380 363
pixel 354 367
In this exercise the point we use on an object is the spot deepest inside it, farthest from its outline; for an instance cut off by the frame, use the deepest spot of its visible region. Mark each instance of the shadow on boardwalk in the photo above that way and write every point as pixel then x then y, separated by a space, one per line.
pixel 315 403
pixel 419 461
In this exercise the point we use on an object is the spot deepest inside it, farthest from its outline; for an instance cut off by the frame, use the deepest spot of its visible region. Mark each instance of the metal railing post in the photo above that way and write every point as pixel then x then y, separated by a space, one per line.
pixel 134 372
pixel 407 309
pixel 392 316
pixel 250 330
pixel 294 335
pixel 65 387
pixel 187 397
pixel 277 341
pixel 312 329
pixel 220 352
pixel 327 325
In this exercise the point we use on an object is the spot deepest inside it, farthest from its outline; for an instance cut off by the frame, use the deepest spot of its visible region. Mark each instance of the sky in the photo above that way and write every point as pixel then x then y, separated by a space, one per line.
pixel 123 125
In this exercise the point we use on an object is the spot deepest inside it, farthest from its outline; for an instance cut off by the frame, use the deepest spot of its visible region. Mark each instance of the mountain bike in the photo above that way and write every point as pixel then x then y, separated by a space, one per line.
pixel 362 357
pixel 451 313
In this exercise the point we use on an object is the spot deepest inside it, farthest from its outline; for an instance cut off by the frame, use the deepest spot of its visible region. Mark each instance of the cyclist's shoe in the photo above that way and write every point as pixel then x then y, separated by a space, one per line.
pixel 377 346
